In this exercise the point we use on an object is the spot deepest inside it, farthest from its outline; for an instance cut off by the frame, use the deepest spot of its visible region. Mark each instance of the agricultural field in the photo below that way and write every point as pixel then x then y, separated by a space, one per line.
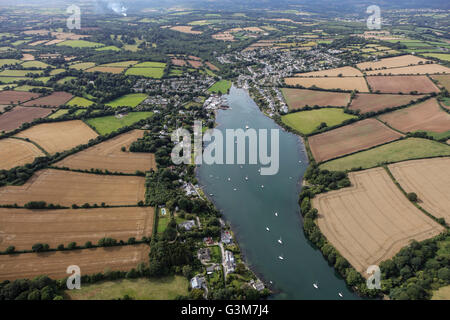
pixel 59 136
pixel 337 72
pixel 114 70
pixel 221 86
pixel 425 116
pixel 372 220
pixel 15 152
pixel 443 80
pixel 7 62
pixel 128 100
pixel 35 64
pixel 82 65
pixel 308 121
pixel 28 88
pixel 185 29
pixel 300 98
pixel 419 69
pixel 165 288
pixel 329 83
pixel 54 264
pixel 58 113
pixel 80 44
pixel 351 138
pixel 56 99
pixel 155 73
pixel 402 84
pixel 68 187
pixel 16 117
pixel 430 180
pixel 16 97
pixel 395 62
pixel 22 228
pixel 405 149
pixel 442 294
pixel 79 102
pixel 108 155
pixel 108 124
pixel 440 56
pixel 18 73
pixel 150 64
pixel 368 102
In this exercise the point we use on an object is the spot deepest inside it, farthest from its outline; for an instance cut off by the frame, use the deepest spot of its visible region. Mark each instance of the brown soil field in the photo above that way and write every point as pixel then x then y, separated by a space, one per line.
pixel 196 64
pixel 69 35
pixel 344 71
pixel 3 107
pixel 419 69
pixel 224 36
pixel 6 97
pixel 376 102
pixel 185 29
pixel 211 66
pixel 194 58
pixel 372 220
pixel 54 264
pixel 426 116
pixel 348 83
pixel 54 41
pixel 430 180
pixel 16 117
pixel 395 62
pixel 403 84
pixel 23 228
pixel 59 136
pixel 444 80
pixel 351 138
pixel 109 156
pixel 299 98
pixel 41 32
pixel 178 62
pixel 36 43
pixel 15 152
pixel 56 99
pixel 68 187
pixel 115 70
pixel 27 57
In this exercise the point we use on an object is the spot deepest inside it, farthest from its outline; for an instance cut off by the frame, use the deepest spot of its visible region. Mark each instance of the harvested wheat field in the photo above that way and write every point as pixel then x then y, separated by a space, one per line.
pixel 23 228
pixel 299 98
pixel 115 70
pixel 420 69
pixel 444 80
pixel 425 116
pixel 395 62
pixel 430 180
pixel 211 66
pixel 54 264
pixel 348 83
pixel 109 156
pixel 185 29
pixel 16 117
pixel 59 136
pixel 196 64
pixel 15 97
pixel 68 187
pixel 344 72
pixel 178 62
pixel 351 138
pixel 368 102
pixel 401 84
pixel 55 99
pixel 15 152
pixel 372 220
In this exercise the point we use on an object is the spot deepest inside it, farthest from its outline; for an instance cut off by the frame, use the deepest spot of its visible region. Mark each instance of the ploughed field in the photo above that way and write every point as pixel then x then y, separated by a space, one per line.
pixel 395 62
pixel 54 264
pixel 67 188
pixel 15 97
pixel 430 180
pixel 23 228
pixel 300 98
pixel 351 138
pixel 13 119
pixel 15 152
pixel 368 102
pixel 336 72
pixel 401 84
pixel 372 220
pixel 329 83
pixel 108 155
pixel 55 99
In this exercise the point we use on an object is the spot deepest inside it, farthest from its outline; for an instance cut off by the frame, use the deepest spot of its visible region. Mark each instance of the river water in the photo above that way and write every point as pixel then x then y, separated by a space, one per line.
pixel 251 208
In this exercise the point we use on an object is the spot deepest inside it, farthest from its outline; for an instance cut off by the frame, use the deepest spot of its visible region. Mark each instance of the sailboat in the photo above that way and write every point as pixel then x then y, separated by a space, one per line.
pixel 276 214
pixel 267 229
pixel 315 285
pixel 340 294
pixel 280 257
pixel 246 178
pixel 262 186
pixel 246 126
pixel 229 179
pixel 280 241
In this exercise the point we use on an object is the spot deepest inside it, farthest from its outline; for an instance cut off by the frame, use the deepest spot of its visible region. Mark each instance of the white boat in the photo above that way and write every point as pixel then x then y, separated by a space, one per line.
pixel 234 189
pixel 246 127
pixel 246 178
pixel 276 214
pixel 315 285
pixel 340 294
pixel 280 257
pixel 267 228
pixel 262 186
pixel 211 194
pixel 280 241
pixel 229 179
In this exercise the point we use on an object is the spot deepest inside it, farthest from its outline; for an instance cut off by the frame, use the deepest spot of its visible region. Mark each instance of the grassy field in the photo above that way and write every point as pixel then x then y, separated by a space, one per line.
pixel 58 113
pixel 128 100
pixel 82 65
pixel 35 64
pixel 412 148
pixel 4 62
pixel 307 121
pixel 28 88
pixel 166 288
pixel 216 254
pixel 150 64
pixel 18 73
pixel 108 124
pixel 221 86
pixel 80 44
pixel 155 73
pixel 12 79
pixel 163 222
pixel 442 294
pixel 80 102
pixel 111 48
pixel 65 79
pixel 440 56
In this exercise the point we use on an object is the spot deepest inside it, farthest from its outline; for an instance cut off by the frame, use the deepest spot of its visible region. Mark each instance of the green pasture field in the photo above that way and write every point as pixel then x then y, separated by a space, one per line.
pixel 58 113
pixel 155 73
pixel 150 64
pixel 12 79
pixel 18 73
pixel 108 124
pixel 28 88
pixel 221 86
pixel 407 149
pixel 440 56
pixel 80 44
pixel 308 121
pixel 80 102
pixel 128 100
pixel 111 48
pixel 82 65
pixel 56 71
pixel 65 79
pixel 35 64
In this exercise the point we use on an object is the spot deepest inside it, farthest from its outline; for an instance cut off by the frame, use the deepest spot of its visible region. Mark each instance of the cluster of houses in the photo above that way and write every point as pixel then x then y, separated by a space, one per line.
pixel 215 102
pixel 175 86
